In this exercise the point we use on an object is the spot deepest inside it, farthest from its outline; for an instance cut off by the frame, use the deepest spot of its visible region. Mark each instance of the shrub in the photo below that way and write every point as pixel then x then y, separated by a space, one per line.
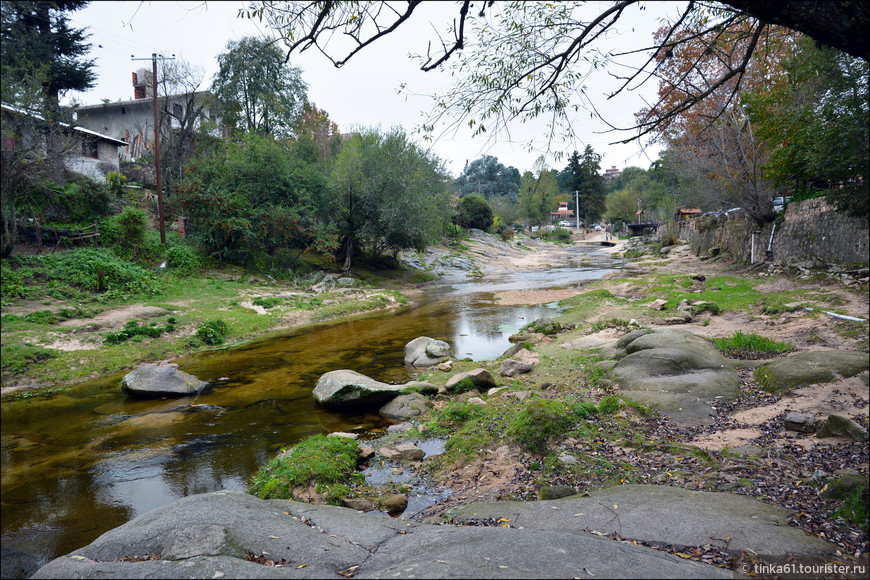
pixel 476 212
pixel 183 259
pixel 212 332
pixel 99 270
pixel 132 330
pixel 126 233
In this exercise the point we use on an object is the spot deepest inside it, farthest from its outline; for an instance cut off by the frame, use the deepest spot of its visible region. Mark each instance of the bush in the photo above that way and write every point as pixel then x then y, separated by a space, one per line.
pixel 212 332
pixel 183 259
pixel 99 270
pixel 132 330
pixel 475 212
pixel 126 233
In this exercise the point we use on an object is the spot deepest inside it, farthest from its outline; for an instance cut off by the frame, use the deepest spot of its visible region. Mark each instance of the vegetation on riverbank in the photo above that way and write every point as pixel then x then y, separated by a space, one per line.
pixel 61 327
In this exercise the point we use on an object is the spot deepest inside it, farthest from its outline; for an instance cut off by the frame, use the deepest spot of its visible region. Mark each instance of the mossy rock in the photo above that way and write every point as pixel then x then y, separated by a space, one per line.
pixel 810 368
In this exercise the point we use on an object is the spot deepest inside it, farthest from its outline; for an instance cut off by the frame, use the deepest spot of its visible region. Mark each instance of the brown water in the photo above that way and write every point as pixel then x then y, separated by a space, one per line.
pixel 85 461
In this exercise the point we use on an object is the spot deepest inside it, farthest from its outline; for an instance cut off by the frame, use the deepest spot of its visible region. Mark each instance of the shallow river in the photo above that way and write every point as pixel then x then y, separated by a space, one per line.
pixel 83 462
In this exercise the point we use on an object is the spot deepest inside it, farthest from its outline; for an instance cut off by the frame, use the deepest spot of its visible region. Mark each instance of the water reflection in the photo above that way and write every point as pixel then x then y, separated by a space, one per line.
pixel 85 461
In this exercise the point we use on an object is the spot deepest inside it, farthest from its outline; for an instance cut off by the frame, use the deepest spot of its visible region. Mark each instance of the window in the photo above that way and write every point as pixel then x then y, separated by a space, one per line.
pixel 177 110
pixel 89 148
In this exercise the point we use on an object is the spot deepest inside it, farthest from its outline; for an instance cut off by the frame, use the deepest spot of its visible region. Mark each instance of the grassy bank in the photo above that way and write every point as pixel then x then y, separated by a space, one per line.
pixel 60 328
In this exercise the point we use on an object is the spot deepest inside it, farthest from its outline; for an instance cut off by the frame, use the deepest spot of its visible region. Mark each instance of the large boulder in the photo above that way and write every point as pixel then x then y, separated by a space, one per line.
pixel 346 388
pixel 678 373
pixel 426 352
pixel 160 381
pixel 810 368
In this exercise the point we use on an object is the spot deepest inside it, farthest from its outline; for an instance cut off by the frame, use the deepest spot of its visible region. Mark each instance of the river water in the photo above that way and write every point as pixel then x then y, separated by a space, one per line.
pixel 80 463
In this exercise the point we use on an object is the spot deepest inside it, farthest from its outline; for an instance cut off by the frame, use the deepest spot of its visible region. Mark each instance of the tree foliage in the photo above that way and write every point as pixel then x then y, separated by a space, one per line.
pixel 254 200
pixel 537 194
pixel 258 91
pixel 817 126
pixel 583 174
pixel 486 176
pixel 520 60
pixel 37 35
pixel 388 194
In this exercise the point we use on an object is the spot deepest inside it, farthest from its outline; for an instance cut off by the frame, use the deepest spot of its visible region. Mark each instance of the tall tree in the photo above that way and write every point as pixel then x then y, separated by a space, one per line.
pixel 184 112
pixel 583 174
pixel 486 176
pixel 538 191
pixel 388 195
pixel 314 126
pixel 38 34
pixel 259 92
pixel 518 60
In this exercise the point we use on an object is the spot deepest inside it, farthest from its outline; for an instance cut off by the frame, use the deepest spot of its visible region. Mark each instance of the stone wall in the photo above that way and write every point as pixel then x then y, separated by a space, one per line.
pixel 811 234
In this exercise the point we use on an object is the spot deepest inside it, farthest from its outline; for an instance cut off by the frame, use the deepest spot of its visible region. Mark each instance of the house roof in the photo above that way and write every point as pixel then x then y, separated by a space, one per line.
pixel 76 128
pixel 149 102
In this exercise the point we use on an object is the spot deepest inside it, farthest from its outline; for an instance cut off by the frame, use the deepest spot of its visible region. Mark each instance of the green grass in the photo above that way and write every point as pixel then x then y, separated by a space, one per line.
pixel 751 346
pixel 854 508
pixel 328 463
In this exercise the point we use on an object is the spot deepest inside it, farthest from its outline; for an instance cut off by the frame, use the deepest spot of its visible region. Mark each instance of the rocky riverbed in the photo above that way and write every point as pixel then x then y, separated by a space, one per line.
pixel 712 479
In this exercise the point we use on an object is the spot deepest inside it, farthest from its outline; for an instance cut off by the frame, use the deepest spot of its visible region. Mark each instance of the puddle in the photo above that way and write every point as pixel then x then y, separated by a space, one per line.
pixel 381 471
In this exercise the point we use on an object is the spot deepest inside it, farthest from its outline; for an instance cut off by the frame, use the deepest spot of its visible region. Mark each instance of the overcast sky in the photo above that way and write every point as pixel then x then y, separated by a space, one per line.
pixel 365 92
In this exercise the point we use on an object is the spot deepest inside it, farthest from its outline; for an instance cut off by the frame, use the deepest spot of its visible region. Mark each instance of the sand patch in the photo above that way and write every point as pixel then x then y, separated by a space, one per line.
pixel 840 397
pixel 721 439
pixel 515 297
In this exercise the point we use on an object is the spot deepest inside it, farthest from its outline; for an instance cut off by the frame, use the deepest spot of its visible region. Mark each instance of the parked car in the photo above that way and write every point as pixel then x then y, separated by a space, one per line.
pixel 566 224
pixel 597 228
pixel 534 229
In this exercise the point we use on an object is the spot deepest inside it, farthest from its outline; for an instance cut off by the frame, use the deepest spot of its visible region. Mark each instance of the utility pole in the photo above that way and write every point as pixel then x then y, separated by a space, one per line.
pixel 157 140
pixel 577 208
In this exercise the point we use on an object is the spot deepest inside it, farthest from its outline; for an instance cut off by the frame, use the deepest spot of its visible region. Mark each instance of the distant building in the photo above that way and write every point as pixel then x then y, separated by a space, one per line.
pixel 612 174
pixel 92 154
pixel 563 213
pixel 133 121
pixel 685 213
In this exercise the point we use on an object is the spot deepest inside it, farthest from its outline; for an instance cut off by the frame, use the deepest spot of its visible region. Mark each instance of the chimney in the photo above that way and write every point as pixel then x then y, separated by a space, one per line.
pixel 142 84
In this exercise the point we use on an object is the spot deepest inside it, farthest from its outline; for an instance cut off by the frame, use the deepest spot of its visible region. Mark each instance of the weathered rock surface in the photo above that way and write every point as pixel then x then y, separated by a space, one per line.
pixel 405 406
pixel 810 368
pixel 426 352
pixel 210 536
pixel 160 381
pixel 481 378
pixel 511 367
pixel 407 451
pixel 345 388
pixel 839 426
pixel 678 373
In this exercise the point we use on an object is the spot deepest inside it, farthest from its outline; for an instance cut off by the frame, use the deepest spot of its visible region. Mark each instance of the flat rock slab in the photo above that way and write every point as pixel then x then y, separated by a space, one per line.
pixel 210 536
pixel 669 515
pixel 678 373
pixel 810 368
